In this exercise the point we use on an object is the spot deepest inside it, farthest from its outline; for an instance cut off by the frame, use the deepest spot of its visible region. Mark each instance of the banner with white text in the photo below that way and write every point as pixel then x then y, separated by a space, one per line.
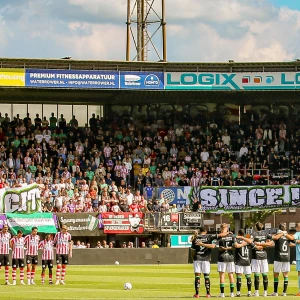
pixel 25 199
pixel 79 223
pixel 126 223
pixel 236 198
pixel 43 221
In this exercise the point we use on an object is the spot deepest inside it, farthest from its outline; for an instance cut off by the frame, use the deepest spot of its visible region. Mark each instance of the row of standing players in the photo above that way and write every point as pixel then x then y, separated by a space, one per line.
pixel 25 251
pixel 234 257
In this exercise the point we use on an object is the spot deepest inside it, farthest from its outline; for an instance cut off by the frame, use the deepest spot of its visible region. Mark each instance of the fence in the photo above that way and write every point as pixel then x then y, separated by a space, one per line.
pixel 181 221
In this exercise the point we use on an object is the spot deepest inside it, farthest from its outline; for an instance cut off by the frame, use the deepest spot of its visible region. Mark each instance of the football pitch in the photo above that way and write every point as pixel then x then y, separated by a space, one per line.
pixel 148 281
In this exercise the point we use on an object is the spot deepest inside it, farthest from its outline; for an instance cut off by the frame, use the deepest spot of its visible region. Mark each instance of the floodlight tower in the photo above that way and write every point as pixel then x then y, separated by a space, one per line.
pixel 144 13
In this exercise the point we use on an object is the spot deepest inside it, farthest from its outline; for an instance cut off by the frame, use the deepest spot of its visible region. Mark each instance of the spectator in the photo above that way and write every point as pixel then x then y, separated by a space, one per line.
pixel 98 245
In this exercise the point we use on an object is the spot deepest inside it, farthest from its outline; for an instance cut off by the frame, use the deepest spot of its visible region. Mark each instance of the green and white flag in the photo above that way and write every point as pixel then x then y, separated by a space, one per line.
pixel 92 223
pixel 43 221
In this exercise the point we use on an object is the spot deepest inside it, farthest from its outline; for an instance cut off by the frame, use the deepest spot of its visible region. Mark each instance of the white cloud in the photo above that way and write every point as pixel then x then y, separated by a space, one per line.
pixel 197 30
pixel 103 42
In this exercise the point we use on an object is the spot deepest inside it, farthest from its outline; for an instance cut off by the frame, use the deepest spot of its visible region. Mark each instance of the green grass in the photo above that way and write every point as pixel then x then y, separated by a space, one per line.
pixel 149 282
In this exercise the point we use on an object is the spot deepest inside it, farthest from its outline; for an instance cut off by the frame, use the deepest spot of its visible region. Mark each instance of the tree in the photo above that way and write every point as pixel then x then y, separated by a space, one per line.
pixel 254 217
pixel 260 216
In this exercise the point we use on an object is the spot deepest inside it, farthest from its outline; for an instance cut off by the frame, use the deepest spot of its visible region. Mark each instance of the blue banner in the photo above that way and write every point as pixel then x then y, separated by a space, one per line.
pixel 72 79
pixel 175 195
pixel 142 80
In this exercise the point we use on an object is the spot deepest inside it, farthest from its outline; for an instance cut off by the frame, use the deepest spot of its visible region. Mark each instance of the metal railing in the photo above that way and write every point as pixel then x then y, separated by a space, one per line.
pixel 173 221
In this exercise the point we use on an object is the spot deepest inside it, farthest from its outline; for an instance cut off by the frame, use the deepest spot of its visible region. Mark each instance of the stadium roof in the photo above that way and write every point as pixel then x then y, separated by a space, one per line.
pixel 72 64
pixel 126 97
pixel 136 97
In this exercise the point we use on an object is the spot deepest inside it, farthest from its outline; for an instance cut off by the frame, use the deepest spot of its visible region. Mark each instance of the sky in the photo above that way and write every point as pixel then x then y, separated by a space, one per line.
pixel 197 30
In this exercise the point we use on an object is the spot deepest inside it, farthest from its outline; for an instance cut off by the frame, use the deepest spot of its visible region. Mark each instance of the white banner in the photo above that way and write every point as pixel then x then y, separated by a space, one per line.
pixel 25 199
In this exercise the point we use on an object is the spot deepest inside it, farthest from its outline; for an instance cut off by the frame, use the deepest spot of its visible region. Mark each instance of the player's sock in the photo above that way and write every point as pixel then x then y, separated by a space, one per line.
pixel 238 284
pixel 63 272
pixel 28 272
pixel 231 287
pixel 6 273
pixel 222 288
pixel 50 275
pixel 43 278
pixel 265 281
pixel 256 282
pixel 197 284
pixel 285 284
pixel 21 274
pixel 57 272
pixel 14 273
pixel 276 285
pixel 249 283
pixel 207 284
pixel 32 274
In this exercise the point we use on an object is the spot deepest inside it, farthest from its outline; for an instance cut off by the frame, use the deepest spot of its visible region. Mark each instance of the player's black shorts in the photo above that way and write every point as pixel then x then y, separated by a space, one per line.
pixel 62 259
pixel 47 262
pixel 18 263
pixel 4 260
pixel 32 259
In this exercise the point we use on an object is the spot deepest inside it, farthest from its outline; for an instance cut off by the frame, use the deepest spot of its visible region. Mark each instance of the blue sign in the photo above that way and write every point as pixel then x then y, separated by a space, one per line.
pixel 181 241
pixel 175 195
pixel 142 80
pixel 72 79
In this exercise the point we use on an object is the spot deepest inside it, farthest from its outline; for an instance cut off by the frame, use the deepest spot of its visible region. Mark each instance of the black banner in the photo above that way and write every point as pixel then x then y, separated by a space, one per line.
pixel 77 223
pixel 191 219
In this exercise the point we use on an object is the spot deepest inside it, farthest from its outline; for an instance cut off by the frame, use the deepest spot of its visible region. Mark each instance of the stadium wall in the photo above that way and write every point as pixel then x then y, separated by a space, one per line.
pixel 144 256
pixel 147 256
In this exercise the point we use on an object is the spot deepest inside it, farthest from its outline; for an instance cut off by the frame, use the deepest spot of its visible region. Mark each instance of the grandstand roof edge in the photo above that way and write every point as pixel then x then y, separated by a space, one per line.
pixel 112 62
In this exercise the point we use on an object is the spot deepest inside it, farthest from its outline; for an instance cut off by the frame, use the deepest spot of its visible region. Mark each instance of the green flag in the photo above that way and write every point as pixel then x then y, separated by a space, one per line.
pixel 43 221
pixel 92 223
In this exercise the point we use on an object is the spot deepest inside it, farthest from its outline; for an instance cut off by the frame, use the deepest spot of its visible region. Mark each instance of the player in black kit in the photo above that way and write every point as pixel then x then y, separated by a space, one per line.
pixel 242 261
pixel 282 242
pixel 226 259
pixel 259 257
pixel 202 245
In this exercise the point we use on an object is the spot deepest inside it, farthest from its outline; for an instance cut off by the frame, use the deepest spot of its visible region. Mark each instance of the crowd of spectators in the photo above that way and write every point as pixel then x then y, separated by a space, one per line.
pixel 115 244
pixel 114 164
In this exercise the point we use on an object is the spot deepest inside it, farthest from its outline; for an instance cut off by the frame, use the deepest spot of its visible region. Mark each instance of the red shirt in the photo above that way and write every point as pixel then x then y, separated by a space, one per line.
pixel 134 207
pixel 4 242
pixel 62 242
pixel 32 244
pixel 47 247
pixel 18 248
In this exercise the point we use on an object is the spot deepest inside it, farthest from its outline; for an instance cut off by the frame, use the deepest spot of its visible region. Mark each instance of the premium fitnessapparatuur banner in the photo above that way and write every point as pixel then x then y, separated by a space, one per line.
pixel 72 79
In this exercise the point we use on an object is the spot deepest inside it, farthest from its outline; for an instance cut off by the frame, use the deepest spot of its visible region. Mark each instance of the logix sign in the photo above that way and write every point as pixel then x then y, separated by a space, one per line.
pixel 232 81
